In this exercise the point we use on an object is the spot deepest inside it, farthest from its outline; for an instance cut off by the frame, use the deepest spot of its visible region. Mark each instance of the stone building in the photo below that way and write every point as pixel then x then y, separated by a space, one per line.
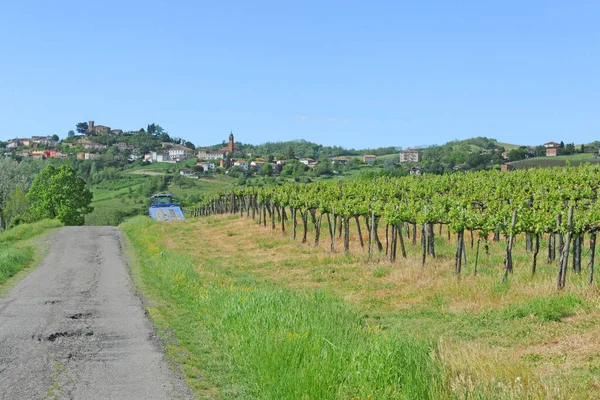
pixel 410 156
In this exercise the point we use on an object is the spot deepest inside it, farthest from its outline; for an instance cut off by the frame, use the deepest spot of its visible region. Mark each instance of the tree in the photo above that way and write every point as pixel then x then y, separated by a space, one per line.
pixel 198 168
pixel 323 167
pixel 82 127
pixel 290 153
pixel 389 164
pixel 155 129
pixel 518 154
pixel 190 145
pixel 60 193
pixel 17 207
pixel 71 133
pixel 569 149
pixel 55 138
pixel 266 170
pixel 540 151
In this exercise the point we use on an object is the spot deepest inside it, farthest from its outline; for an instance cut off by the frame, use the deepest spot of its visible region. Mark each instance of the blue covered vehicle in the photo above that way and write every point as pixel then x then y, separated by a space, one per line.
pixel 163 208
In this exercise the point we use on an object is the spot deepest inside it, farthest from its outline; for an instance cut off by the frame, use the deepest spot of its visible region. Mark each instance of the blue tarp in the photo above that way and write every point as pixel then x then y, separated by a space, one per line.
pixel 166 212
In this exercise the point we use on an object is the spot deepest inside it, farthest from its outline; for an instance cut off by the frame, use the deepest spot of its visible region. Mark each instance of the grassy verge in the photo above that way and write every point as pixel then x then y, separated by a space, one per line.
pixel 15 251
pixel 240 336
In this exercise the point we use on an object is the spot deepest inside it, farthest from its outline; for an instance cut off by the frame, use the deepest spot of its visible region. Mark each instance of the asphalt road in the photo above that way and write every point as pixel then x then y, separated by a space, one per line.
pixel 74 328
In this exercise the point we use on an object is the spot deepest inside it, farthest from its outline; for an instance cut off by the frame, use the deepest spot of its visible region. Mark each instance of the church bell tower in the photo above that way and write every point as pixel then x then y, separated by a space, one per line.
pixel 230 147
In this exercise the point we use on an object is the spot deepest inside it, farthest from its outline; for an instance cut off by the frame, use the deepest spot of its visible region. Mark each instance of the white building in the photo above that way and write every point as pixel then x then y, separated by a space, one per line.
pixel 242 164
pixel 90 156
pixel 208 166
pixel 158 157
pixel 204 154
pixel 188 173
pixel 44 140
pixel 307 161
pixel 180 153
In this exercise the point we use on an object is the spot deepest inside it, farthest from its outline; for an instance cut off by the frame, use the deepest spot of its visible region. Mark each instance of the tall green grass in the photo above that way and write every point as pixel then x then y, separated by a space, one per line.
pixel 14 254
pixel 27 231
pixel 547 308
pixel 254 340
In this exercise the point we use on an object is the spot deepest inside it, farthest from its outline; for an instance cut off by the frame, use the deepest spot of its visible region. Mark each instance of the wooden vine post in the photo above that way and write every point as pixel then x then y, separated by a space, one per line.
pixel 508 264
pixel 564 257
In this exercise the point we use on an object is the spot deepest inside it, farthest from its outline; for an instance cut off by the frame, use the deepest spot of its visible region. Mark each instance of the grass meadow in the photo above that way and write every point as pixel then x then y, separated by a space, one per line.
pixel 16 253
pixel 251 313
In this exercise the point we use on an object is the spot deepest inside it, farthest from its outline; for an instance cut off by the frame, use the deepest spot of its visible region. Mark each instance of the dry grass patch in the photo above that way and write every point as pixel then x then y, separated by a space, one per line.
pixel 521 339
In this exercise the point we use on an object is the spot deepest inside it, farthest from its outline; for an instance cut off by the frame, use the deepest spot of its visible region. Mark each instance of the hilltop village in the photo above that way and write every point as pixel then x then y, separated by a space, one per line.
pixel 152 144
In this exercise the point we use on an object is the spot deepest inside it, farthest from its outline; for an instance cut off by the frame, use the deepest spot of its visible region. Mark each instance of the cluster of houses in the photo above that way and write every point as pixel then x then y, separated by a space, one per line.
pixel 43 154
pixel 34 141
pixel 171 153
pixel 43 147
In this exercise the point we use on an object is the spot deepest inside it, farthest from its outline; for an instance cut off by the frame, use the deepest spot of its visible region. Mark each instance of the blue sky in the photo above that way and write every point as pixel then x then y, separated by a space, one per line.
pixel 350 73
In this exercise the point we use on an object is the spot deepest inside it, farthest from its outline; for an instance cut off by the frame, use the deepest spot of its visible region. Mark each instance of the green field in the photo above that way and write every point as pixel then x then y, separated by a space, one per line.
pixel 251 313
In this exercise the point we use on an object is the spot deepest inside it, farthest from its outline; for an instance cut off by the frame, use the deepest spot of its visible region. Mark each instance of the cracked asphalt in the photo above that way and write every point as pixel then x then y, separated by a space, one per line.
pixel 74 328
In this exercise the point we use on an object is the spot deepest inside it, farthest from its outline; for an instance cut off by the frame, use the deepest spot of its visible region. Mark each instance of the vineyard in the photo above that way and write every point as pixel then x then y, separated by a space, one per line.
pixel 555 205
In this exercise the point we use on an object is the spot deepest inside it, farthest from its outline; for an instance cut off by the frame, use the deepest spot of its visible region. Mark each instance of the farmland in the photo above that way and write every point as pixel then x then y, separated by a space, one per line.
pixel 233 297
pixel 489 307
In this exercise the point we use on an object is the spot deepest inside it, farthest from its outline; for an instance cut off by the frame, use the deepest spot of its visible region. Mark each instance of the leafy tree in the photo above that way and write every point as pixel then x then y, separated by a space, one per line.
pixel 294 168
pixel 155 129
pixel 190 145
pixel 198 168
pixel 266 170
pixel 389 164
pixel 82 127
pixel 60 193
pixel 323 167
pixel 55 138
pixel 290 153
pixel 569 149
pixel 71 133
pixel 236 172
pixel 540 151
pixel 518 154
pixel 17 207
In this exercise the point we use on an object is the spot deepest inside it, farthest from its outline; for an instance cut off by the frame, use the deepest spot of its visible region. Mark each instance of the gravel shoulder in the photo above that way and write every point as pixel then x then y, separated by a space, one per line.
pixel 74 328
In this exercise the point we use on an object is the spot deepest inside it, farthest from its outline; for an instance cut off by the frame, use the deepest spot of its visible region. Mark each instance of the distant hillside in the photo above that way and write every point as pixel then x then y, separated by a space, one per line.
pixel 480 143
pixel 300 148
pixel 558 161
pixel 508 146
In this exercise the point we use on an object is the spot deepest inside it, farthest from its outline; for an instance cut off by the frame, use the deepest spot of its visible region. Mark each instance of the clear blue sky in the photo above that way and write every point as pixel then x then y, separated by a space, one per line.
pixel 350 73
